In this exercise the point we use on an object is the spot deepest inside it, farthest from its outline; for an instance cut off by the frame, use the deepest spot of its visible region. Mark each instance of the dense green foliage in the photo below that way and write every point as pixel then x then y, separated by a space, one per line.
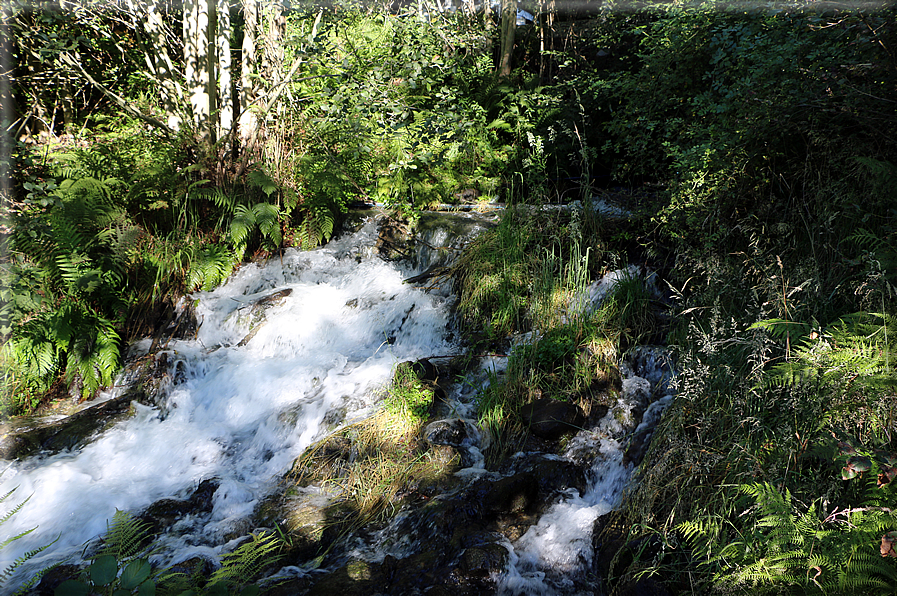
pixel 122 566
pixel 758 148
pixel 773 134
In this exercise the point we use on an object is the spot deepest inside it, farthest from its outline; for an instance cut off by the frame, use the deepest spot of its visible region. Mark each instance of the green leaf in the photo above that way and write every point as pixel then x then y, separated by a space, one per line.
pixel 250 591
pixel 103 570
pixel 219 588
pixel 135 574
pixel 71 587
pixel 147 588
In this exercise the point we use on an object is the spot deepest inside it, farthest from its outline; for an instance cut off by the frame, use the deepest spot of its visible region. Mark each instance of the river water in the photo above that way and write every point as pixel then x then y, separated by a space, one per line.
pixel 246 406
pixel 242 413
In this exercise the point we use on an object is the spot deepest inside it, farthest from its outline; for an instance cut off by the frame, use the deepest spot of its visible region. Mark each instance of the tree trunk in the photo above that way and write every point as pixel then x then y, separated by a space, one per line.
pixel 248 122
pixel 7 105
pixel 160 65
pixel 196 67
pixel 225 94
pixel 508 29
pixel 546 40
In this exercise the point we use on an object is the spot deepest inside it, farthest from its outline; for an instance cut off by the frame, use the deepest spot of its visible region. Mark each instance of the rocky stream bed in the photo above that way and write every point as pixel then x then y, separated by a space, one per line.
pixel 527 525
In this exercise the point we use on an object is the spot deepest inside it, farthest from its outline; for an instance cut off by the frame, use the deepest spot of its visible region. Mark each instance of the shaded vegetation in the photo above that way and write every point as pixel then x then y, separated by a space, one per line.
pixel 756 149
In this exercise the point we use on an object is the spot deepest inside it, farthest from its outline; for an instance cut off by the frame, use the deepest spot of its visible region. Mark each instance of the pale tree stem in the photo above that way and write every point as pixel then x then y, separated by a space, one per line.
pixel 196 65
pixel 248 121
pixel 225 87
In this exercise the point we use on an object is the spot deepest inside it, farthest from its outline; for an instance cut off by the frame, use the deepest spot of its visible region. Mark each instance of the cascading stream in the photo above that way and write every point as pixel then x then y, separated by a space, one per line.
pixel 557 551
pixel 241 413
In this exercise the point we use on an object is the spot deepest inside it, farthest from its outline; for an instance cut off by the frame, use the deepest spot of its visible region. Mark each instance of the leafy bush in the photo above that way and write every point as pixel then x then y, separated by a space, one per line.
pixel 122 566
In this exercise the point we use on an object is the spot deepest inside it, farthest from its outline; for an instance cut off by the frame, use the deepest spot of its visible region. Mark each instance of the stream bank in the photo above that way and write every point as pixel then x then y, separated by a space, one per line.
pixel 476 523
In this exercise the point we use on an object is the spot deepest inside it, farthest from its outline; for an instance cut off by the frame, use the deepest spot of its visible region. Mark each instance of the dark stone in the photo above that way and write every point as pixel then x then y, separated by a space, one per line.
pixel 394 240
pixel 598 411
pixel 454 432
pixel 258 313
pixel 355 578
pixel 201 499
pixel 53 577
pixel 638 446
pixel 484 559
pixel 551 419
pixel 174 323
pixel 193 566
pixel 70 432
pixel 165 512
pixel 425 370
pixel 468 195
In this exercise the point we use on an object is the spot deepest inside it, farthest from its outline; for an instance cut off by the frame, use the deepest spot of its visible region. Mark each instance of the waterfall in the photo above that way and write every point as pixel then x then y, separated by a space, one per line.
pixel 247 402
pixel 558 550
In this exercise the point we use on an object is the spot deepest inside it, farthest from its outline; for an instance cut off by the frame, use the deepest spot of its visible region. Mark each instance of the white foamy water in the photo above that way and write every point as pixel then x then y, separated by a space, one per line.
pixel 558 550
pixel 242 413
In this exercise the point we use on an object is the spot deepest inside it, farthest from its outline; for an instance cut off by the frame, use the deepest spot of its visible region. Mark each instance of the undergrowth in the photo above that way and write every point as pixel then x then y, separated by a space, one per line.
pixel 373 464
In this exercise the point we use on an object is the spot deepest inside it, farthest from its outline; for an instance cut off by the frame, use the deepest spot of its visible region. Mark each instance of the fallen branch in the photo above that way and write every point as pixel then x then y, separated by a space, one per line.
pixel 120 101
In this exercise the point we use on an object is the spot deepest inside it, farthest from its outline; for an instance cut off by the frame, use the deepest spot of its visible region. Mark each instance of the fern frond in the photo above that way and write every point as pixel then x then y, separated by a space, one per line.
pixel 210 268
pixel 242 225
pixel 240 566
pixel 11 513
pixel 267 216
pixel 10 569
pixel 780 328
pixel 126 536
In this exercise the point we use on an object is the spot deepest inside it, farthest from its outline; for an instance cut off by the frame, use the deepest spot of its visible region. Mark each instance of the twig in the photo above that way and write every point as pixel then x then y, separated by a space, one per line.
pixel 120 101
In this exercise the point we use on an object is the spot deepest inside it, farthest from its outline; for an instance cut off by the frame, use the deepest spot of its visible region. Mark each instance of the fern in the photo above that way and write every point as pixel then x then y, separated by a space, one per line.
pixel 9 570
pixel 210 268
pixel 262 216
pixel 856 349
pixel 267 217
pixel 782 545
pixel 240 566
pixel 126 536
pixel 242 226
pixel 316 227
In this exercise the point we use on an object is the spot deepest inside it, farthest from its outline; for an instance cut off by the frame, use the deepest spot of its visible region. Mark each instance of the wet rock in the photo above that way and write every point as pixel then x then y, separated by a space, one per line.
pixel 455 432
pixel 393 241
pixel 356 577
pixel 652 363
pixel 193 567
pixel 550 419
pixel 637 448
pixel 152 374
pixel 255 316
pixel 468 195
pixel 423 369
pixel 164 513
pixel 177 321
pixel 53 577
pixel 484 559
pixel 71 432
pixel 201 499
pixel 442 477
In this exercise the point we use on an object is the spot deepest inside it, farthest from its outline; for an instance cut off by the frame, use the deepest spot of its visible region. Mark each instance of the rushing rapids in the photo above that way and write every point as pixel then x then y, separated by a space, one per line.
pixel 287 351
pixel 243 409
